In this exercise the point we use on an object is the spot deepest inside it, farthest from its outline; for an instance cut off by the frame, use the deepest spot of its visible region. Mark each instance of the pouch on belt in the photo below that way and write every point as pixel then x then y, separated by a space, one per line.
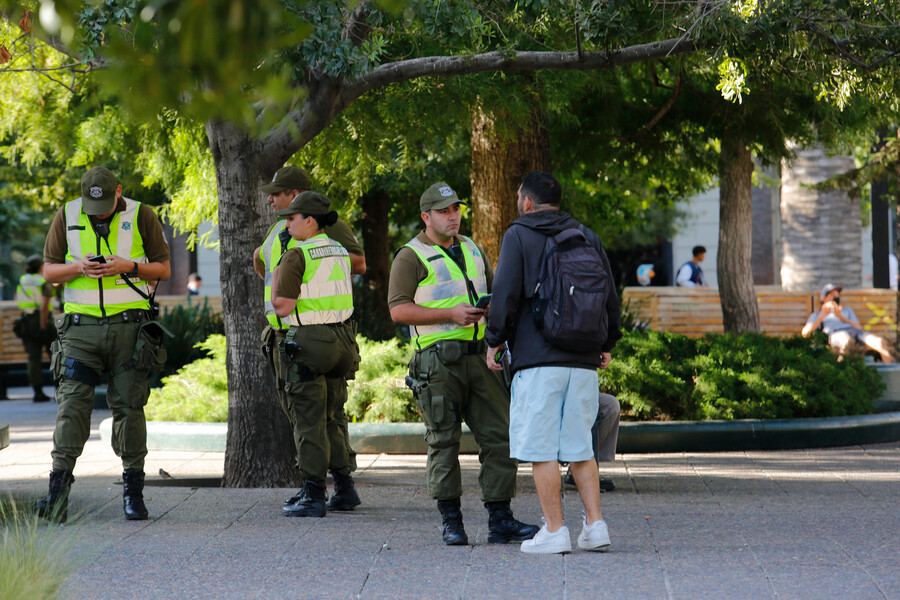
pixel 149 354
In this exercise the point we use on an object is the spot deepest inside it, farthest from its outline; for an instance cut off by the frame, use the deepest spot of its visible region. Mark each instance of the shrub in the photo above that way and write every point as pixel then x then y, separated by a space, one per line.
pixel 198 392
pixel 659 375
pixel 189 326
pixel 379 393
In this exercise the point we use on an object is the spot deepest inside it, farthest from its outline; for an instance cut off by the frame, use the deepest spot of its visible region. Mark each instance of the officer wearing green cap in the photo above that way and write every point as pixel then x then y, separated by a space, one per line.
pixel 436 279
pixel 313 294
pixel 105 249
pixel 33 296
pixel 286 185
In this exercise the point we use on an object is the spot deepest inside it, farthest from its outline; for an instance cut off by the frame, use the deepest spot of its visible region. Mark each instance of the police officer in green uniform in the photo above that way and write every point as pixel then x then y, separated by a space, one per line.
pixel 33 296
pixel 286 185
pixel 105 249
pixel 435 280
pixel 313 294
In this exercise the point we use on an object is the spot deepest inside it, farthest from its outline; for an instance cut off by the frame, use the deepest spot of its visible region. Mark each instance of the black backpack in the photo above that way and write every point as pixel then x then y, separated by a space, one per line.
pixel 569 302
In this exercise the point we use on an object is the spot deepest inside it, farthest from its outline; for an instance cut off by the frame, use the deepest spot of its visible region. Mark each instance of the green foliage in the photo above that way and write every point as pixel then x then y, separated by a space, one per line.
pixel 189 324
pixel 33 559
pixel 659 375
pixel 379 393
pixel 198 392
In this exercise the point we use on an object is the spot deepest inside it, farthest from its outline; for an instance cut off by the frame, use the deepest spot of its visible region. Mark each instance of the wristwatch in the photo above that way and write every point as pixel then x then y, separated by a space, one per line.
pixel 132 272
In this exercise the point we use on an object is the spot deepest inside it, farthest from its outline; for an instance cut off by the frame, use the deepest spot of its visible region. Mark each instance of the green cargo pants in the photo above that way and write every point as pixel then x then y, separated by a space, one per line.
pixel 86 351
pixel 337 431
pixel 34 344
pixel 452 387
pixel 34 347
pixel 315 389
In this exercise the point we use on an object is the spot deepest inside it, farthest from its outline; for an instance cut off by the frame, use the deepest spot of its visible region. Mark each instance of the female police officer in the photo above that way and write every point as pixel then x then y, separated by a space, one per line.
pixel 313 293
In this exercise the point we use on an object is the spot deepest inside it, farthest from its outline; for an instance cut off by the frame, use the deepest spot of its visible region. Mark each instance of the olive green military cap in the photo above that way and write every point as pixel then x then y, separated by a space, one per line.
pixel 307 203
pixel 438 196
pixel 288 178
pixel 98 191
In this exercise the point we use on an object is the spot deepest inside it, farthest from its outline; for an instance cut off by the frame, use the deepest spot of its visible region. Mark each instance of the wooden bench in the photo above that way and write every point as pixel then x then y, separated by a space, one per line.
pixel 695 312
pixel 12 352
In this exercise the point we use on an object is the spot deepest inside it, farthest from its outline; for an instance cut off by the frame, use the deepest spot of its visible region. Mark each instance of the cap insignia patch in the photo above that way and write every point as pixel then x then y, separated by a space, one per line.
pixel 96 192
pixel 446 191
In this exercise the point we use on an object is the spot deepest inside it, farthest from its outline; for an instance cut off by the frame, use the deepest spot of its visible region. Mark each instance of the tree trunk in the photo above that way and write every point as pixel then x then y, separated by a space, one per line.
pixel 821 231
pixel 260 447
pixel 499 160
pixel 377 324
pixel 740 311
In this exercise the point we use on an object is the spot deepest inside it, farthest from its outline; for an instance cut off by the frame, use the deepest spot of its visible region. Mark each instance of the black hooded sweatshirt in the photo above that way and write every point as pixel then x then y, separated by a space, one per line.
pixel 514 280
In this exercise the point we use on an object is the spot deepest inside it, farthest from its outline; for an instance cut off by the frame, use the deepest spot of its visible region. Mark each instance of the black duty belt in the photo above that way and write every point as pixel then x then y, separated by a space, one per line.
pixel 133 315
pixel 465 347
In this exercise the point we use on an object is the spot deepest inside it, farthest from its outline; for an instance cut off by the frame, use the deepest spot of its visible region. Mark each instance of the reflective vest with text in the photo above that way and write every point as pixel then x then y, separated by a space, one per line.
pixel 326 292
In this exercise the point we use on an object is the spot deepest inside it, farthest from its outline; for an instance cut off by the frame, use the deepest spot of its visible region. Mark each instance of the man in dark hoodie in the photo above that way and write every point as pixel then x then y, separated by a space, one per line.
pixel 554 391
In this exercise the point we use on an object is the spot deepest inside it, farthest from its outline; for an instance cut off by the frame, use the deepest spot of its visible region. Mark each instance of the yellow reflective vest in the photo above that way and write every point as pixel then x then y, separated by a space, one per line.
pixel 270 253
pixel 445 286
pixel 108 295
pixel 326 292
pixel 28 293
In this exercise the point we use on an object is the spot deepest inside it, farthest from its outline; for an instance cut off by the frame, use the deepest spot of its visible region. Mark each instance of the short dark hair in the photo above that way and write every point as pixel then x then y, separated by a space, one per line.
pixel 542 188
pixel 194 277
pixel 697 250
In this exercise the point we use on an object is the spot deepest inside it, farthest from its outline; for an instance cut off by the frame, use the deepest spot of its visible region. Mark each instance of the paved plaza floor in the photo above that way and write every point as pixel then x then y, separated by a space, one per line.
pixel 769 524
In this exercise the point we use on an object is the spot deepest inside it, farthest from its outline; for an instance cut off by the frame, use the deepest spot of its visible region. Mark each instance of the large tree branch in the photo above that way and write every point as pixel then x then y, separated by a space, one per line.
pixel 327 98
pixel 406 70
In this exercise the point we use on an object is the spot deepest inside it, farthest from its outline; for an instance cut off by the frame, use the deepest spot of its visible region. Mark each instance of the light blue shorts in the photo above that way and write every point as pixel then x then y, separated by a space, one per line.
pixel 551 414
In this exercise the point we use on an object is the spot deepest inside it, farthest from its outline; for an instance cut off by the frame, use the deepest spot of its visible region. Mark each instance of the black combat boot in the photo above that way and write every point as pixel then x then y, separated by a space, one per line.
pixel 39 395
pixel 295 498
pixel 133 496
pixel 503 527
pixel 344 496
pixel 454 534
pixel 310 504
pixel 55 506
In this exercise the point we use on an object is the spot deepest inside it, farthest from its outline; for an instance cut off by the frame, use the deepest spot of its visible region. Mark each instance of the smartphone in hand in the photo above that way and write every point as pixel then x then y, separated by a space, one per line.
pixel 98 259
pixel 483 301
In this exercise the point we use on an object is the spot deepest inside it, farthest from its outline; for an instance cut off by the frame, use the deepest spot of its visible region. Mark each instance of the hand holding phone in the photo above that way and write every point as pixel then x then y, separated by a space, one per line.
pixel 483 301
pixel 98 259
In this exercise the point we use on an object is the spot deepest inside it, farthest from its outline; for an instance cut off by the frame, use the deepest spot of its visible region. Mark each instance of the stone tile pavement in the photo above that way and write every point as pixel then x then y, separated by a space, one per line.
pixel 776 524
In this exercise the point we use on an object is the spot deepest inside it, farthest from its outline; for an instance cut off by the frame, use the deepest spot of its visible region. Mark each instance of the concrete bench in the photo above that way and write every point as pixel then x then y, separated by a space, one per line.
pixel 695 312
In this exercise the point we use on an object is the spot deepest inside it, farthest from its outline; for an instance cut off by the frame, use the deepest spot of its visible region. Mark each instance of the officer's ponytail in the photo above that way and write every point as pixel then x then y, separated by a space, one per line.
pixel 323 221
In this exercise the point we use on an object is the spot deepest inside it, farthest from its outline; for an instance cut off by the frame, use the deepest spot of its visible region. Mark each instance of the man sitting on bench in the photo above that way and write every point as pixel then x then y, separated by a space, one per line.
pixel 842 327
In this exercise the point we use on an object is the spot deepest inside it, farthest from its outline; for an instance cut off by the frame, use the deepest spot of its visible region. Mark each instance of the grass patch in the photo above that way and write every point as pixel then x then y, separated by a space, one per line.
pixel 33 561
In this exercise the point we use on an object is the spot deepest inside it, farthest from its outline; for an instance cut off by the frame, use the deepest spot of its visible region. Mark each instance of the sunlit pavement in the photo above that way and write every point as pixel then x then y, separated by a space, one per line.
pixel 766 524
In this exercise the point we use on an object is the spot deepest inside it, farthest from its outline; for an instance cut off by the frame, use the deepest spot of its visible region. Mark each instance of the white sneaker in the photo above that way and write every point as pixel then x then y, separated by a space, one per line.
pixel 545 542
pixel 594 537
